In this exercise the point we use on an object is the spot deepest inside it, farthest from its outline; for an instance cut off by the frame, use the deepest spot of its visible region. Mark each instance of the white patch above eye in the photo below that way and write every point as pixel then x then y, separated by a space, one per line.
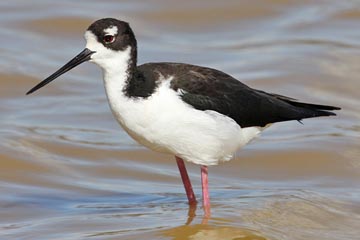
pixel 113 30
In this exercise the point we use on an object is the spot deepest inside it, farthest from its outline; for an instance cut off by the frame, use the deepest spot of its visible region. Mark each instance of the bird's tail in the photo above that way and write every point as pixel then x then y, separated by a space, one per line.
pixel 310 109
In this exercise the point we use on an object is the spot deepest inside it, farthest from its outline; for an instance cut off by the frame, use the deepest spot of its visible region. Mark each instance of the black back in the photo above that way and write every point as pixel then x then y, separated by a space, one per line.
pixel 210 89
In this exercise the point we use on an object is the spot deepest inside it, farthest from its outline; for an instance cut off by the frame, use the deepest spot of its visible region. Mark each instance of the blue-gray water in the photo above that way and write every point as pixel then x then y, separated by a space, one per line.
pixel 68 171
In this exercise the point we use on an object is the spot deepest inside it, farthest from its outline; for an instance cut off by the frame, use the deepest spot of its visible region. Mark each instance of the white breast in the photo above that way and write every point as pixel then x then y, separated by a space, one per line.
pixel 164 123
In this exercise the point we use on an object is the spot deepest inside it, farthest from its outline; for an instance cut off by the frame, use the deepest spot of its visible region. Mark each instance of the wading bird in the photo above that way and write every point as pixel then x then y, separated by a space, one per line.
pixel 199 114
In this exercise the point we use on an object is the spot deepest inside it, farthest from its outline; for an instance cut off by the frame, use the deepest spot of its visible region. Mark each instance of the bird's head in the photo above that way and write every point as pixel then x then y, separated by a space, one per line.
pixel 108 42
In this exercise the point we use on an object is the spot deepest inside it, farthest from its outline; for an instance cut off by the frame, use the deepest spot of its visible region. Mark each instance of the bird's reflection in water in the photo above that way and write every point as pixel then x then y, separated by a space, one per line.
pixel 208 231
pixel 192 215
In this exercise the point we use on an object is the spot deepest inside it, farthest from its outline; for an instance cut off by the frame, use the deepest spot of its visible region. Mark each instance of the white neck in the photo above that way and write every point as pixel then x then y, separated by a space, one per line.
pixel 115 70
pixel 115 75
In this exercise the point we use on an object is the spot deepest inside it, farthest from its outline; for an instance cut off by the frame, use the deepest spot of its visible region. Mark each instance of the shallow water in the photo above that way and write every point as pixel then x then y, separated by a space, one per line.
pixel 68 171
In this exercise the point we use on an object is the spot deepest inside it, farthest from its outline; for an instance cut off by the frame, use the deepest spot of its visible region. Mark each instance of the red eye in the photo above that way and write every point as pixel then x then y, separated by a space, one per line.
pixel 109 38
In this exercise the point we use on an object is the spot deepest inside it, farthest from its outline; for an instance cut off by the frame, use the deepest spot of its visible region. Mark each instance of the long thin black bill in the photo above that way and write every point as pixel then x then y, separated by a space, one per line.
pixel 80 58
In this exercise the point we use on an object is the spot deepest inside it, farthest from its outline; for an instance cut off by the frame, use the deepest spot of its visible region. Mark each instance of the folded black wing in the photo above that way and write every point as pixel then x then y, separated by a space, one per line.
pixel 210 89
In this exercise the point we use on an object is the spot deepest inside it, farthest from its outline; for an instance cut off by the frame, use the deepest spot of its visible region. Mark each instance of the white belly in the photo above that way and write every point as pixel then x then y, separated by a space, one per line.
pixel 164 123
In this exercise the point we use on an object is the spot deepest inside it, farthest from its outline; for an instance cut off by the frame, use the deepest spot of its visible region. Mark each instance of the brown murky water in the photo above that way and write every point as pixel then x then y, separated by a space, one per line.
pixel 69 172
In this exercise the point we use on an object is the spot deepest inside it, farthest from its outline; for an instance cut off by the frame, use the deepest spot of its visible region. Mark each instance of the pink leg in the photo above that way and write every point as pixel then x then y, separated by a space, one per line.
pixel 205 190
pixel 186 181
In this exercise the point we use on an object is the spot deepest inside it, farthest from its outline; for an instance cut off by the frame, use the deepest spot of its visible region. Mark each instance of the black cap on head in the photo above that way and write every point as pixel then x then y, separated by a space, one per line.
pixel 123 36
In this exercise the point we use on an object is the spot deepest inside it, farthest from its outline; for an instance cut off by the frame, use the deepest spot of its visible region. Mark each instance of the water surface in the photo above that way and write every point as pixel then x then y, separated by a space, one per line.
pixel 68 171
